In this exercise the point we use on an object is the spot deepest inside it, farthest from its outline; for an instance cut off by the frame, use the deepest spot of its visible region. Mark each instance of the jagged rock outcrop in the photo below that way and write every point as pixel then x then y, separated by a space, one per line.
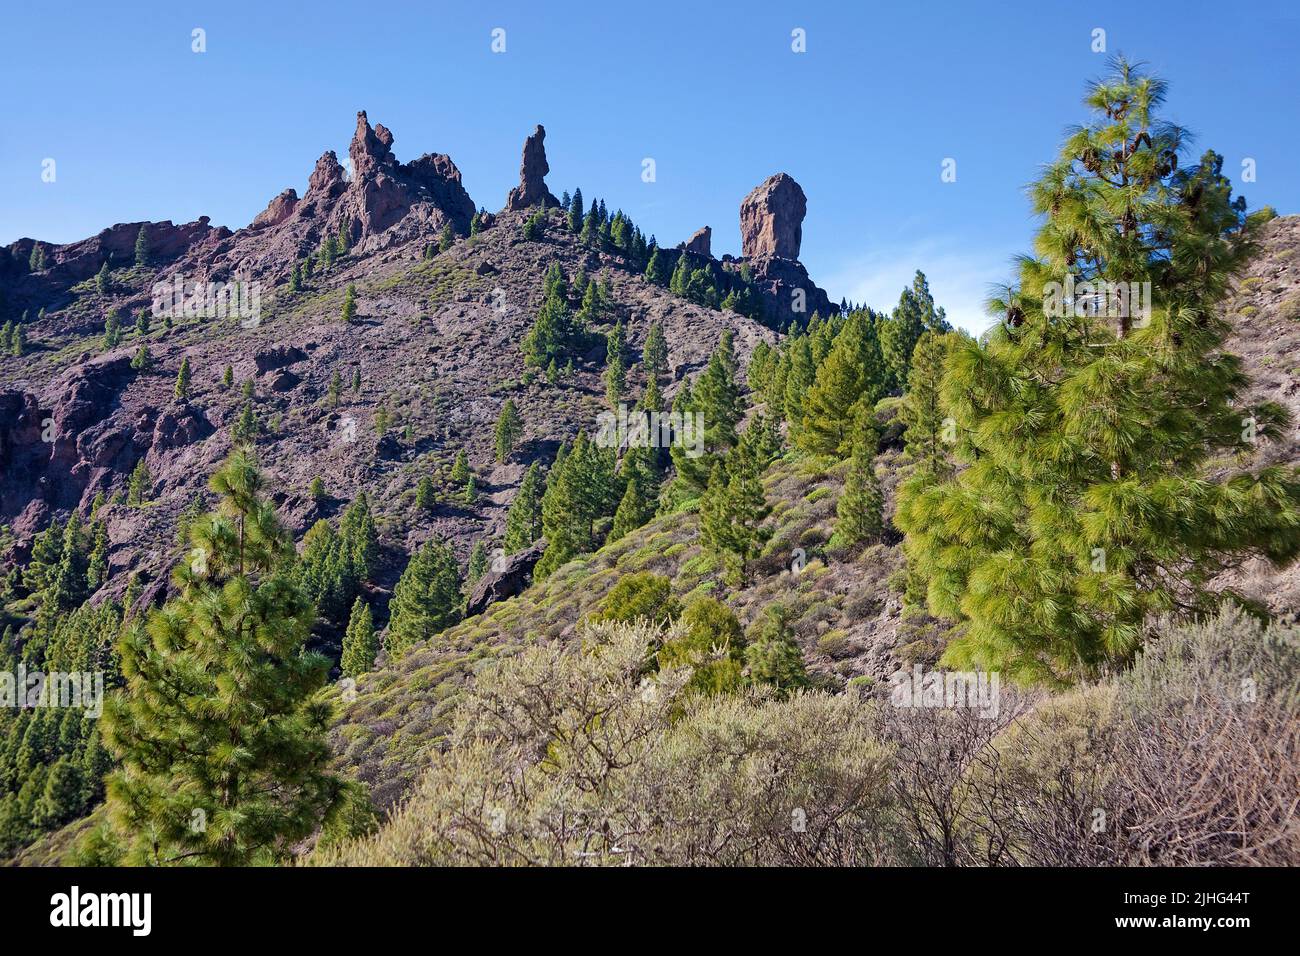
pixel 278 356
pixel 53 453
pixel 434 340
pixel 789 293
pixel 771 233
pixel 380 203
pixel 277 211
pixel 700 242
pixel 513 578
pixel 771 219
pixel 328 179
pixel 532 174
pixel 66 265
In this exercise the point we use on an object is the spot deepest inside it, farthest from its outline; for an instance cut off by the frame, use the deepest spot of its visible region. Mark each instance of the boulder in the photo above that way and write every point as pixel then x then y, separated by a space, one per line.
pixel 514 576
pixel 277 357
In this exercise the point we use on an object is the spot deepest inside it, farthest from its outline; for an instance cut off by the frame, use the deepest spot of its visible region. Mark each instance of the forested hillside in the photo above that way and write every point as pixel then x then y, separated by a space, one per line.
pixel 516 538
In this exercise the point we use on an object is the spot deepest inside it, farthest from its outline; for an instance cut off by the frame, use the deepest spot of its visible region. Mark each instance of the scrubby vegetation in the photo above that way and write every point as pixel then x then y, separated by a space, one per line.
pixel 585 754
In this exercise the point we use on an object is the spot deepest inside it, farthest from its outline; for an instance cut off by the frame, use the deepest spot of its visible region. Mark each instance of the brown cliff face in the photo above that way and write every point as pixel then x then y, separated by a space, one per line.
pixel 533 168
pixel 436 342
pixel 279 209
pixel 771 219
pixel 700 242
pixel 771 232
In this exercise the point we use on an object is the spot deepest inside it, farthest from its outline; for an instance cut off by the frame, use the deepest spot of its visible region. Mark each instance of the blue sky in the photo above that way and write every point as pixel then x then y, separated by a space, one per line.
pixel 143 128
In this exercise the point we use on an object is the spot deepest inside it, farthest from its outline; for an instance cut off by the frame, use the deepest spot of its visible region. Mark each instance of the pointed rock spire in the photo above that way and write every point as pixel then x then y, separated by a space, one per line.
pixel 532 175
pixel 370 148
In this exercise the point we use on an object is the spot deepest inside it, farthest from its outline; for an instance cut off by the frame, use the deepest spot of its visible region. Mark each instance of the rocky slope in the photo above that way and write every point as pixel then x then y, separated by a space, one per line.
pixel 436 345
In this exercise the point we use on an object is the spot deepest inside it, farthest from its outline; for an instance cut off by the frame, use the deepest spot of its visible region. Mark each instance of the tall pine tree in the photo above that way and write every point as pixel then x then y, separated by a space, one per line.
pixel 219 732
pixel 1088 422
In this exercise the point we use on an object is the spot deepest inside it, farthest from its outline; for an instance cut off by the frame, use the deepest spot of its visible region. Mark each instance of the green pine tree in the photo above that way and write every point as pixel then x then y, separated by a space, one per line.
pixel 219 733
pixel 97 566
pixel 427 597
pixel 635 509
pixel 140 485
pixel 524 518
pixel 112 330
pixel 575 212
pixel 858 511
pixel 847 384
pixel 731 512
pixel 478 563
pixel 247 428
pixel 460 472
pixel 655 355
pixel 141 248
pixel 350 303
pixel 359 643
pixel 914 315
pixel 930 432
pixel 580 490
pixel 1088 423
pixel 182 390
pixel 773 657
pixel 656 270
pixel 426 498
pixel 508 431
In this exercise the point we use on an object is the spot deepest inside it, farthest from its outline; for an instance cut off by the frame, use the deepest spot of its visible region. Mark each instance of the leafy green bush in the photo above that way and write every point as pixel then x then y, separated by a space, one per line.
pixel 641 596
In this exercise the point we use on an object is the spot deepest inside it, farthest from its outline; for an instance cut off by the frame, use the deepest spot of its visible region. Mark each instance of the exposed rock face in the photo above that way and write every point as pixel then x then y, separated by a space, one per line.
pixel 279 209
pixel 383 203
pixel 75 262
pixel 789 293
pixel 771 219
pixel 327 179
pixel 431 354
pixel 771 232
pixel 701 242
pixel 278 356
pixel 53 454
pixel 369 150
pixel 511 580
pixel 532 175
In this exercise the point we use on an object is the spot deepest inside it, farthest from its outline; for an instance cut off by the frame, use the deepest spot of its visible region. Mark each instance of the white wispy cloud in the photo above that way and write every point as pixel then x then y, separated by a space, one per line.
pixel 959 277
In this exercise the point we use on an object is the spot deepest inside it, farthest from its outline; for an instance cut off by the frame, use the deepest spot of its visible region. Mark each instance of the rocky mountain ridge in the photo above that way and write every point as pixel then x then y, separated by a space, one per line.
pixel 435 344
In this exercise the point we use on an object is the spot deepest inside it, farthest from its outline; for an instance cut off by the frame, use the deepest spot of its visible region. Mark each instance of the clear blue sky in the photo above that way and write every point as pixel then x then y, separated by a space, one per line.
pixel 142 128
